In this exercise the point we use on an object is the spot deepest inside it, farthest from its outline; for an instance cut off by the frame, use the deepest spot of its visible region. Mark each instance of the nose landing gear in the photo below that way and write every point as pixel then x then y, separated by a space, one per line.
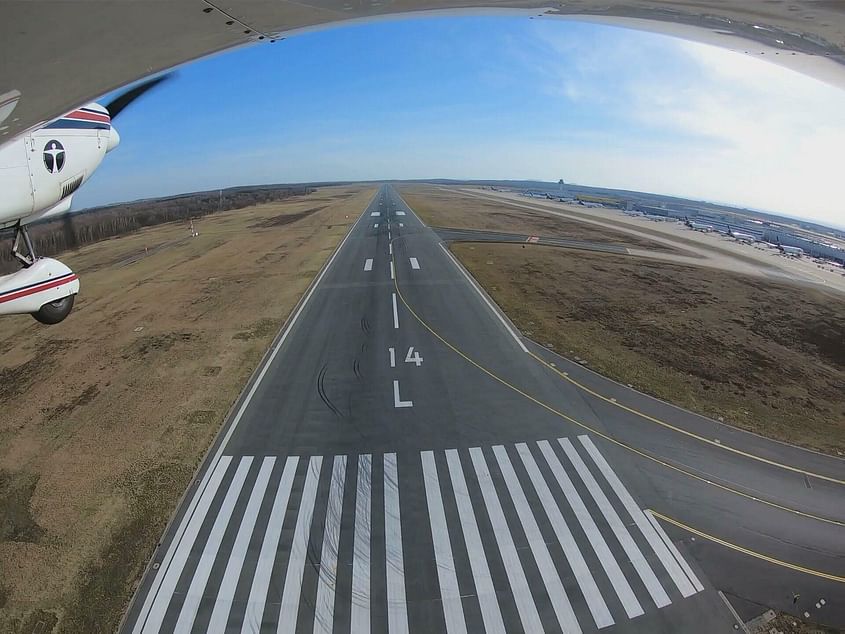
pixel 44 288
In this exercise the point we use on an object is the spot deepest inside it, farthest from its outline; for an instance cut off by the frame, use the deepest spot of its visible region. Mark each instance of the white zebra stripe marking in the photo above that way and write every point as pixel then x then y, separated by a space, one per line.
pixel 591 592
pixel 397 608
pixel 450 594
pixel 537 545
pixel 513 567
pixel 637 559
pixel 666 558
pixel 226 592
pixel 327 578
pixel 361 548
pixel 254 612
pixel 195 592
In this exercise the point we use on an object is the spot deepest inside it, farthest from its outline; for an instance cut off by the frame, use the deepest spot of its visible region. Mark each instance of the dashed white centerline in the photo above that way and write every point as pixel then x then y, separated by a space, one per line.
pixel 375 214
pixel 400 213
pixel 392 270
pixel 415 264
pixel 390 248
pixel 395 313
pixel 368 264
pixel 397 400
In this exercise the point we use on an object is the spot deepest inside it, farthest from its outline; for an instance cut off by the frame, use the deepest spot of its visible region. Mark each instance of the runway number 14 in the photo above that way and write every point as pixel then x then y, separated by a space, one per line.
pixel 412 357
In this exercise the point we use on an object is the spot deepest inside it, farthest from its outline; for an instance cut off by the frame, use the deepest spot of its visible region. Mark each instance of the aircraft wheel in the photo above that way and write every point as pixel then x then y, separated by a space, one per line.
pixel 54 312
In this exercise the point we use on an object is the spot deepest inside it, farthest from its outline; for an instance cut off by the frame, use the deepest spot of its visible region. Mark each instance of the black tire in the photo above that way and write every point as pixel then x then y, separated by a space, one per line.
pixel 54 312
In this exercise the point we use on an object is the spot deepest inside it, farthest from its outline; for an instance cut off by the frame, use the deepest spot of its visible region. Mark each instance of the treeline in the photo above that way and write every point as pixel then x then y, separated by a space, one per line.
pixel 98 223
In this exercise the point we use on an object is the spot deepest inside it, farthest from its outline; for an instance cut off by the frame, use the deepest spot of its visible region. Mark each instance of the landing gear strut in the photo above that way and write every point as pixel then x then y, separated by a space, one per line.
pixel 22 240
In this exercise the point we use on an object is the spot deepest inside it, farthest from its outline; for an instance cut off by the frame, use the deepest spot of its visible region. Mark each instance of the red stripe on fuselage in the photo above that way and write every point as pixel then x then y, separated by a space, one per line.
pixel 37 289
pixel 88 116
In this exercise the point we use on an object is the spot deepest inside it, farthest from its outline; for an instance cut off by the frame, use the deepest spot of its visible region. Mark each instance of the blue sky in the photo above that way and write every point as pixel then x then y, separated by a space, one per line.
pixel 487 97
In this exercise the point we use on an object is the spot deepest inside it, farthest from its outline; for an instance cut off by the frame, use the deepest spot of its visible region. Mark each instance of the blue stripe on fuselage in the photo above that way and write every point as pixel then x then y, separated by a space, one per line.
pixel 73 124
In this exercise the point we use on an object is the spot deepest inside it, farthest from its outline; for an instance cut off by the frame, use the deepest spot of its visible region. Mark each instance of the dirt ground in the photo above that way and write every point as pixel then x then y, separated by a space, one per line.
pixel 107 415
pixel 441 207
pixel 762 355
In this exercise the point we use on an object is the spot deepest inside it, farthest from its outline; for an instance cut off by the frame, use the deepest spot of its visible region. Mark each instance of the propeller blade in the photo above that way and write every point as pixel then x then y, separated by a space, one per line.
pixel 71 241
pixel 116 105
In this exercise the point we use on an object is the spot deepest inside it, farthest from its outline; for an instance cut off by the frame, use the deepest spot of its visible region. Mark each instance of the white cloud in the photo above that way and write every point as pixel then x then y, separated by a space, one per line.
pixel 727 126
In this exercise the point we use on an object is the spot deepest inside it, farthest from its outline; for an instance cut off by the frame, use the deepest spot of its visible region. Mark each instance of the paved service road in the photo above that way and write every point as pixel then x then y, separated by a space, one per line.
pixel 449 234
pixel 403 461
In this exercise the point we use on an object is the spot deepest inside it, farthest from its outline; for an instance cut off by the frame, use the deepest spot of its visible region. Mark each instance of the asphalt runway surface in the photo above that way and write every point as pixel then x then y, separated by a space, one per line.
pixel 404 461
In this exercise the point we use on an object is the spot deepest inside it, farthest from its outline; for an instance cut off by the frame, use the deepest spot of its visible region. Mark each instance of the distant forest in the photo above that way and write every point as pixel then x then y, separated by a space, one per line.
pixel 98 223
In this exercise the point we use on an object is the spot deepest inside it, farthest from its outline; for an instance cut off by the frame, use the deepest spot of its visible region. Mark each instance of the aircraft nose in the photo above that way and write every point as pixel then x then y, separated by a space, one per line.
pixel 114 139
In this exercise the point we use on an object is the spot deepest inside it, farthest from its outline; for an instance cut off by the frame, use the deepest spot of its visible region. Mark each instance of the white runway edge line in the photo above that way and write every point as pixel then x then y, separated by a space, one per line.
pixel 450 594
pixel 415 264
pixel 368 264
pixel 155 586
pixel 170 577
pixel 395 313
pixel 685 587
pixel 484 297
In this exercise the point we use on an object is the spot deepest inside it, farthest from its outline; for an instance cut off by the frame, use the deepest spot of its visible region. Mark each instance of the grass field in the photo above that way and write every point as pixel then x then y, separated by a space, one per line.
pixel 439 207
pixel 108 414
pixel 765 356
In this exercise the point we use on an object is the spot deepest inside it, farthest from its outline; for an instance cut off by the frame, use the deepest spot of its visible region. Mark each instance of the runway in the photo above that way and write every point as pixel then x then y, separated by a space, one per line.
pixel 404 461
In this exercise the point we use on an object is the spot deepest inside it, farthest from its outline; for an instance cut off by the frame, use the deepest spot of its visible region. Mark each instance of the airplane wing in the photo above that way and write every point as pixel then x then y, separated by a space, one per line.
pixel 57 55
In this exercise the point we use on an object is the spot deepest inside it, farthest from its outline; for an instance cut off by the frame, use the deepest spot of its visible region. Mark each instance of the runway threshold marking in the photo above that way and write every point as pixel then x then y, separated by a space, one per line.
pixel 747 551
pixel 686 432
pixel 601 434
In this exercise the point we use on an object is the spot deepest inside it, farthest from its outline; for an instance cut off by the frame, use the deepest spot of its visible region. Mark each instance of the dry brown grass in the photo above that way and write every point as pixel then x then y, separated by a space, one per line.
pixel 765 356
pixel 441 207
pixel 107 415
